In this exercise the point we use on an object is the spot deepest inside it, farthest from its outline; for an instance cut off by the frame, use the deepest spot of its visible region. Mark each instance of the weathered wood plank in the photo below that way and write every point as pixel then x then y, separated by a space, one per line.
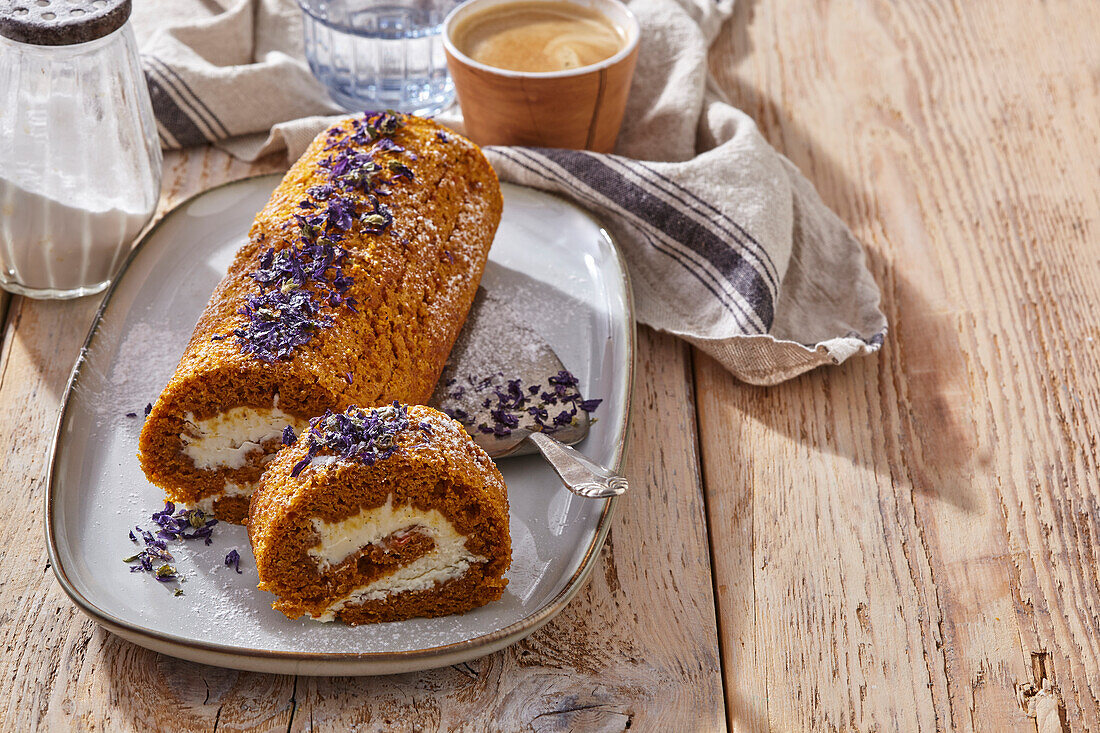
pixel 920 524
pixel 5 299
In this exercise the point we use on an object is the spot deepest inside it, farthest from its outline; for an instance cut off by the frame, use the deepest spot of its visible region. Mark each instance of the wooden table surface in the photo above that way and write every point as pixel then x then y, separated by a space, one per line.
pixel 906 542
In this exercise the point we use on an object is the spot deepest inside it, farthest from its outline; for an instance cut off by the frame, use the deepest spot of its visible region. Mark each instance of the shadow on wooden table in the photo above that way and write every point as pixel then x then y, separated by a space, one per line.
pixel 915 391
pixel 47 335
pixel 912 400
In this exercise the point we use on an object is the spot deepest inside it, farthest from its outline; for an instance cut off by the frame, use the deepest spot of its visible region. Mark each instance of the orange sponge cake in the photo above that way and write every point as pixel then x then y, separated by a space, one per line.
pixel 351 289
pixel 381 515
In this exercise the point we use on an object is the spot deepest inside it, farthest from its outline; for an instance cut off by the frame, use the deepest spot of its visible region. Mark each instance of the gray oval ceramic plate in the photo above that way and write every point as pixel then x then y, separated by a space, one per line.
pixel 578 299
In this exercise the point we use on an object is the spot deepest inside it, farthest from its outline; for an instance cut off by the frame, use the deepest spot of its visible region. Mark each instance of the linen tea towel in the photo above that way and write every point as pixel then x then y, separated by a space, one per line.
pixel 727 244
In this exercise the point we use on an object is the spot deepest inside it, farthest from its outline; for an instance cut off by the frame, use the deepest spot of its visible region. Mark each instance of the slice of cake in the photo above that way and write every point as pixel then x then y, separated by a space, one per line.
pixel 354 283
pixel 381 515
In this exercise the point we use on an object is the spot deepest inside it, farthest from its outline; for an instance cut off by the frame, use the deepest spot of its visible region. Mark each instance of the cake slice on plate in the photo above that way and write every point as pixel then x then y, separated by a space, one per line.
pixel 381 515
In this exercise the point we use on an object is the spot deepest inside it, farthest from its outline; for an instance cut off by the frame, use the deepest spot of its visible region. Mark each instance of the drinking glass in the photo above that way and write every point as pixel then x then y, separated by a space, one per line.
pixel 380 54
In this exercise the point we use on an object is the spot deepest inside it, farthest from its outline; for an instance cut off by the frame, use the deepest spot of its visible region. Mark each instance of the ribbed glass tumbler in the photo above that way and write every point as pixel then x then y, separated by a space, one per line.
pixel 379 55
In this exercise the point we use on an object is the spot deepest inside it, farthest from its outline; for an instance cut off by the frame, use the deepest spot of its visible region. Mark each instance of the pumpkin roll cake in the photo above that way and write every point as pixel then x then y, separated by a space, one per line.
pixel 354 282
pixel 381 515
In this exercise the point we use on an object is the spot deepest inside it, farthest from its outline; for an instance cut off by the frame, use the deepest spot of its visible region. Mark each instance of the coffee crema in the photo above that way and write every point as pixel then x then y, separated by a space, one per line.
pixel 538 36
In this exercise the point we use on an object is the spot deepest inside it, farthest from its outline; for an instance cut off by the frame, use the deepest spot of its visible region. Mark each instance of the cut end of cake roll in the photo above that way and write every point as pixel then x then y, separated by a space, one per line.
pixel 354 283
pixel 208 455
pixel 381 515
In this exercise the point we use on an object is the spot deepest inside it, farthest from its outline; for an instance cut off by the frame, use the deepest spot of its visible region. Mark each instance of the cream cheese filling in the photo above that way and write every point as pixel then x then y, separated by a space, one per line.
pixel 227 439
pixel 448 559
pixel 206 503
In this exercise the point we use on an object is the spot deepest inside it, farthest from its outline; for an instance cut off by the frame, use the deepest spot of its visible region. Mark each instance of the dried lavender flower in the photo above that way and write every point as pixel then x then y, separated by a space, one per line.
pixel 233 560
pixel 356 434
pixel 300 284
pixel 512 404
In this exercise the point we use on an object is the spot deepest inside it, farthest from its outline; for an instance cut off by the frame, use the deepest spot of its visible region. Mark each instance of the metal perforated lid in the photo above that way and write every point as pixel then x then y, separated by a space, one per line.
pixel 61 22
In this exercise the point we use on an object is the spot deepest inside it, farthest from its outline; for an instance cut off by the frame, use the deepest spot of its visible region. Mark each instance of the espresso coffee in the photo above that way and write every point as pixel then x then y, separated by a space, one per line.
pixel 538 36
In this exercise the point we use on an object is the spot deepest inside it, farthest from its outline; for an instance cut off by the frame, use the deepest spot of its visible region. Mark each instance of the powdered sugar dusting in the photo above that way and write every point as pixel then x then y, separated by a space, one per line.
pixel 503 381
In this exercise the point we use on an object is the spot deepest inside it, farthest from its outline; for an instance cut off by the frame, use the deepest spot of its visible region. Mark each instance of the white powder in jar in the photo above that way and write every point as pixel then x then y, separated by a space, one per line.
pixel 46 244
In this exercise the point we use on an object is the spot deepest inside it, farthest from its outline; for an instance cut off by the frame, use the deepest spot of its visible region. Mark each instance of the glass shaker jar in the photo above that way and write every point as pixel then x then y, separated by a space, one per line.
pixel 80 163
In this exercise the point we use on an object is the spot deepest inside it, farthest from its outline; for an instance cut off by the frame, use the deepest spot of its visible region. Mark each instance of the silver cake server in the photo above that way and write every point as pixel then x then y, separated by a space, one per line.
pixel 512 393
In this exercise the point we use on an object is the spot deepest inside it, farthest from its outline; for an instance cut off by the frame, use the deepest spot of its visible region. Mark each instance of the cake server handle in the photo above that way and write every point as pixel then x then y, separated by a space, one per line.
pixel 580 475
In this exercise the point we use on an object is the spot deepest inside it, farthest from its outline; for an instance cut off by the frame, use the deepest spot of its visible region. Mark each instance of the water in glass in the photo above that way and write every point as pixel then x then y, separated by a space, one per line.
pixel 380 54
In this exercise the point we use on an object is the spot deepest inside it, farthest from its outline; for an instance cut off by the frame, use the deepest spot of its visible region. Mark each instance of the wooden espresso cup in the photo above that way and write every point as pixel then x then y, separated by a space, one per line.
pixel 576 108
